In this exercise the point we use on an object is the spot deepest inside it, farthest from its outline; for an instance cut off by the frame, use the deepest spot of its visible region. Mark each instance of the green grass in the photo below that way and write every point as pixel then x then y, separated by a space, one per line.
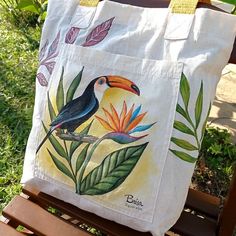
pixel 18 64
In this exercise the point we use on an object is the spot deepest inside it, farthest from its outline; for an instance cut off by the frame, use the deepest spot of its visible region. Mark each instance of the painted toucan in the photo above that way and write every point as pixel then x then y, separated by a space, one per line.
pixel 79 110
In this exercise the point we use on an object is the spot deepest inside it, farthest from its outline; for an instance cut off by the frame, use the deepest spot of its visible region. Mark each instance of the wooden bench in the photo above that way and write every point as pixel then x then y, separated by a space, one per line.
pixel 202 216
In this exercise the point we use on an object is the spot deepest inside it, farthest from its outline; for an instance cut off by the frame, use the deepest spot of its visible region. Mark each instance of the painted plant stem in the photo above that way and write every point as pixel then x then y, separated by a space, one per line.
pixel 78 137
pixel 87 160
pixel 194 128
pixel 70 164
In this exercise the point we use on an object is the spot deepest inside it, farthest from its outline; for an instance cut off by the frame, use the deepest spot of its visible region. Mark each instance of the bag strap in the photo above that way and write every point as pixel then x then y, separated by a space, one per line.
pixel 185 6
pixel 89 3
pixel 178 6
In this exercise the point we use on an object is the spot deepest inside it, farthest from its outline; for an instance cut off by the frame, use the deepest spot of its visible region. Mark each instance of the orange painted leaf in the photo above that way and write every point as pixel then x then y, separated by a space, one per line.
pixel 104 123
pixel 122 115
pixel 115 117
pixel 135 122
pixel 110 119
pixel 127 118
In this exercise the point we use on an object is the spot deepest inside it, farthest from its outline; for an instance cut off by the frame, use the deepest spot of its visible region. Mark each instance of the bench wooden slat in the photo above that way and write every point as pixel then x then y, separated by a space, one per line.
pixel 106 226
pixel 38 220
pixel 227 221
pixel 203 203
pixel 196 201
pixel 6 230
pixel 192 225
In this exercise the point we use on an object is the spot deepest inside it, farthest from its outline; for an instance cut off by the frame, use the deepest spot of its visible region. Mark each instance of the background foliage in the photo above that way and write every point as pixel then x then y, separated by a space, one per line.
pixel 20 34
pixel 18 63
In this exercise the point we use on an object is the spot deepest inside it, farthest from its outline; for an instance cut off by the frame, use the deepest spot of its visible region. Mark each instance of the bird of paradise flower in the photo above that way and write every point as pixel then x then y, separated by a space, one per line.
pixel 117 166
pixel 123 125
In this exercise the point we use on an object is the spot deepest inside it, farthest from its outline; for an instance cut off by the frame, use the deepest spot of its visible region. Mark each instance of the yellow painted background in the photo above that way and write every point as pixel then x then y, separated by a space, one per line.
pixel 139 178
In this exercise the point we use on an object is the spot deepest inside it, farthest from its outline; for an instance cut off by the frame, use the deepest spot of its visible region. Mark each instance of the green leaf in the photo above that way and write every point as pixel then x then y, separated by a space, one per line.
pixel 74 85
pixel 185 90
pixel 81 158
pixel 75 144
pixel 113 171
pixel 198 106
pixel 60 166
pixel 56 145
pixel 184 144
pixel 205 122
pixel 28 5
pixel 51 109
pixel 233 2
pixel 184 156
pixel 182 112
pixel 183 128
pixel 60 93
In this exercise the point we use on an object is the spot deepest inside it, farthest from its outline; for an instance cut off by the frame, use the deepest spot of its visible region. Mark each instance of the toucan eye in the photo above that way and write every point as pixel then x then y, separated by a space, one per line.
pixel 101 81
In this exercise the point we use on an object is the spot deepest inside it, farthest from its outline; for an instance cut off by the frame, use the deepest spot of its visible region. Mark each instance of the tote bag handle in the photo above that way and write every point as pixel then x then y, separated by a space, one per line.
pixel 177 6
pixel 185 6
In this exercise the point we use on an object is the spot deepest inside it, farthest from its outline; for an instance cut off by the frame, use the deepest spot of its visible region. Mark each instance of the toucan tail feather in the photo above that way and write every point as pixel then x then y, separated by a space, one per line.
pixel 45 138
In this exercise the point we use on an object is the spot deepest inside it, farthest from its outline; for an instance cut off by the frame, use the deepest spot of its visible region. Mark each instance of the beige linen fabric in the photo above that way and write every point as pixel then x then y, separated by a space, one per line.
pixel 149 77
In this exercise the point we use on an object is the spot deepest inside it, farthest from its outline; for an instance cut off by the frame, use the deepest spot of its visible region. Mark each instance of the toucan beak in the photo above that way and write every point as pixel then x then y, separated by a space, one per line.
pixel 120 82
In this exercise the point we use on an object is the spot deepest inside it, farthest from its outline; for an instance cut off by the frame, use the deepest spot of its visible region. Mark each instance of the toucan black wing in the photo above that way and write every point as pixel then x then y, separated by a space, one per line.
pixel 77 111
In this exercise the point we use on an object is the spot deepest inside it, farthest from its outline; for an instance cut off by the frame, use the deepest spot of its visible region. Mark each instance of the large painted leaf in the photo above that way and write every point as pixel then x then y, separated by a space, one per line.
pixel 74 85
pixel 182 112
pixel 56 145
pixel 184 144
pixel 75 144
pixel 198 106
pixel 205 122
pixel 43 51
pixel 98 33
pixel 52 113
pixel 42 79
pixel 112 172
pixel 50 66
pixel 72 35
pixel 81 158
pixel 185 90
pixel 52 51
pixel 183 128
pixel 61 166
pixel 60 93
pixel 184 156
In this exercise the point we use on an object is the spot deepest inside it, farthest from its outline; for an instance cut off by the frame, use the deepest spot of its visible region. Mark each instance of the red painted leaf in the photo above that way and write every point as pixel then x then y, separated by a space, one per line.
pixel 98 33
pixel 43 51
pixel 72 35
pixel 42 79
pixel 53 47
pixel 50 66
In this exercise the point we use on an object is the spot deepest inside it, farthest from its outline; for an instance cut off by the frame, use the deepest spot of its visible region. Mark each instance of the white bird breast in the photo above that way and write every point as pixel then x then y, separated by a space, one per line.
pixel 99 90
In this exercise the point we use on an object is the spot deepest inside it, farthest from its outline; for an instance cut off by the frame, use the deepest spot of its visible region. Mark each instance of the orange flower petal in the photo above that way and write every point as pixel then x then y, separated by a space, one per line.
pixel 135 122
pixel 110 119
pixel 127 118
pixel 122 115
pixel 115 117
pixel 104 123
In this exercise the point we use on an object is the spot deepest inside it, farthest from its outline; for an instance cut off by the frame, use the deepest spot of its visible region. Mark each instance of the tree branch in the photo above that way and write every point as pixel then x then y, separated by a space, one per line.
pixel 77 137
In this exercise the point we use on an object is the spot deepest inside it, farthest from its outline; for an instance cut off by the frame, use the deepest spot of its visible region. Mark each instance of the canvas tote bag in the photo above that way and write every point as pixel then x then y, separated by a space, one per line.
pixel 122 98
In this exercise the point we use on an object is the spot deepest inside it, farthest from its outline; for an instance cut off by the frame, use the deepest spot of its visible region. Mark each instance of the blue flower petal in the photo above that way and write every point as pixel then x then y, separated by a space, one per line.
pixel 135 113
pixel 122 138
pixel 141 128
